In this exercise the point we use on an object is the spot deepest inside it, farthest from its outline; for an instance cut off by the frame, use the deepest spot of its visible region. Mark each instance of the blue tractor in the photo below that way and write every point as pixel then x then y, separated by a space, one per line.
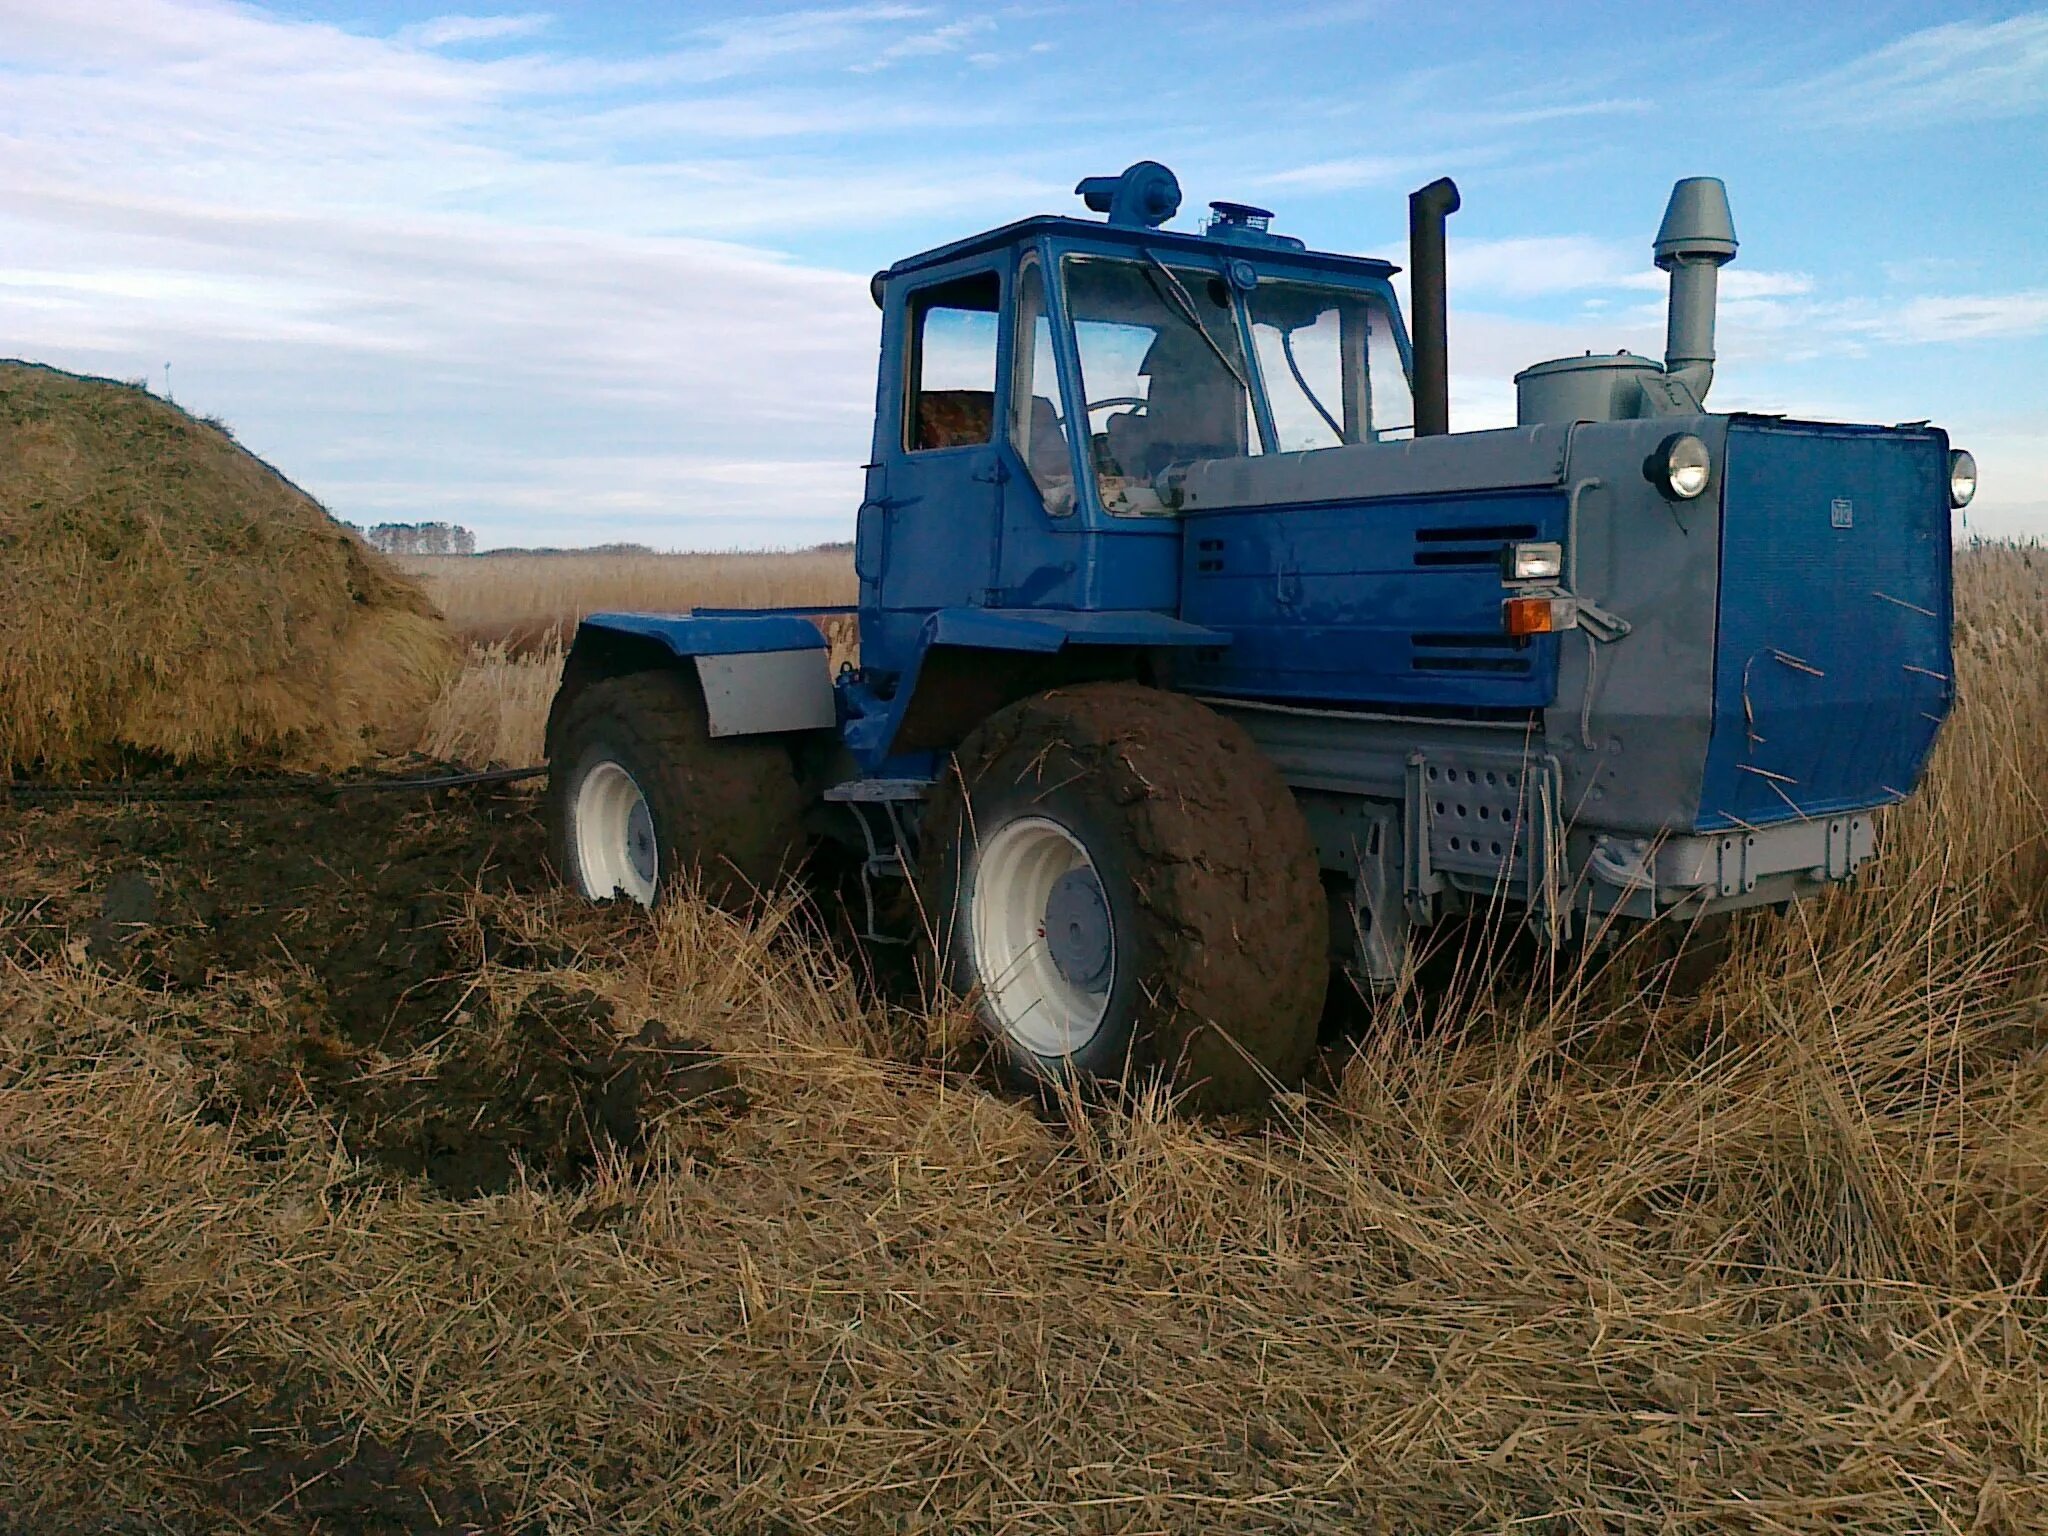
pixel 1199 659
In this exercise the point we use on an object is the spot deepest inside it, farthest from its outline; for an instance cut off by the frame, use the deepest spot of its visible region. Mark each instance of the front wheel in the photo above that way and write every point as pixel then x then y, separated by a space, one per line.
pixel 1121 883
pixel 642 799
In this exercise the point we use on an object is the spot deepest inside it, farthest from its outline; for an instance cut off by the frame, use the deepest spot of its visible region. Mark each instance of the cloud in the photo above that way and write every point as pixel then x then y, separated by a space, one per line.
pixel 1850 326
pixel 467 362
pixel 1960 71
pixel 1541 264
pixel 1526 117
pixel 1343 175
pixel 1531 266
pixel 759 41
pixel 950 38
pixel 403 281
pixel 1739 283
pixel 449 31
pixel 1919 271
pixel 1941 318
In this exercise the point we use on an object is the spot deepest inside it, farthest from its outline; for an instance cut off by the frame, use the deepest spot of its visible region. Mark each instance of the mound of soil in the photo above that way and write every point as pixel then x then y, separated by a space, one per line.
pixel 384 992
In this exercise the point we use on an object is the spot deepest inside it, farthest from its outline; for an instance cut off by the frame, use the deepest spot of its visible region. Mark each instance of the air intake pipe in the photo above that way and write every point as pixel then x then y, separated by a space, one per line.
pixel 1428 304
pixel 1696 239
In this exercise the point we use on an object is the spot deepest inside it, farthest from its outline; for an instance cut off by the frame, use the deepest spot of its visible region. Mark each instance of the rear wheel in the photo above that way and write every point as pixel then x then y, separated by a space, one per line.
pixel 1120 881
pixel 642 798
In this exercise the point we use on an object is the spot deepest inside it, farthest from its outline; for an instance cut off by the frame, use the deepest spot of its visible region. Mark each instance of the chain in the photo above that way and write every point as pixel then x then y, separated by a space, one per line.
pixel 260 789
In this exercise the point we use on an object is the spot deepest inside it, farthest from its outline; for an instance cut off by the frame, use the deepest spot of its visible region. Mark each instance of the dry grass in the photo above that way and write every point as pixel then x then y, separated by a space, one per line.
pixel 1771 1259
pixel 495 713
pixel 167 596
pixel 527 602
pixel 519 612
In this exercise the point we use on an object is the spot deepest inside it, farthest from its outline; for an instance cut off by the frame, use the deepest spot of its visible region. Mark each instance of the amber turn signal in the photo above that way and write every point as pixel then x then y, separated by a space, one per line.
pixel 1528 616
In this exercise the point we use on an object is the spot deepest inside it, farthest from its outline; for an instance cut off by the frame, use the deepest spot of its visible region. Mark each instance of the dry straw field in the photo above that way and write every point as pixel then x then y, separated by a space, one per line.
pixel 518 612
pixel 362 1183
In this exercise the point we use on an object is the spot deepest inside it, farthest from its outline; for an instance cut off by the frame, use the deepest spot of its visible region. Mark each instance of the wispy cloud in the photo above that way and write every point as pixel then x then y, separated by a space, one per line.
pixel 1345 174
pixel 1943 318
pixel 1525 267
pixel 727 48
pixel 953 37
pixel 374 260
pixel 1957 72
pixel 451 31
pixel 1532 266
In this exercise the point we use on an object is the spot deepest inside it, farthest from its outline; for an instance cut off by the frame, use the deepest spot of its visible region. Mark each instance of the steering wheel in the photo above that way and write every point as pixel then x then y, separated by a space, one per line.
pixel 1104 404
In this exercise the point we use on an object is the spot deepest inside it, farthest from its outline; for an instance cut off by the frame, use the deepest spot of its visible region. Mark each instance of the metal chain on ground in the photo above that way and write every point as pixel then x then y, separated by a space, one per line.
pixel 260 789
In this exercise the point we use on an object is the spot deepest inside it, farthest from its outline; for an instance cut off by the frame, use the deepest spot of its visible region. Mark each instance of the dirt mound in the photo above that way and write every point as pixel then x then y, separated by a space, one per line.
pixel 166 596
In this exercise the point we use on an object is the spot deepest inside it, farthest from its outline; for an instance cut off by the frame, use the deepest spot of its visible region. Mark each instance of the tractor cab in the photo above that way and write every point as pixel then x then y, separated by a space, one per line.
pixel 1046 385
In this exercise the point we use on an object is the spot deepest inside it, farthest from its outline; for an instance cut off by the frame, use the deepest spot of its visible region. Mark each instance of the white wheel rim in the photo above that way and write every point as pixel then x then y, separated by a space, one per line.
pixel 1050 1003
pixel 615 844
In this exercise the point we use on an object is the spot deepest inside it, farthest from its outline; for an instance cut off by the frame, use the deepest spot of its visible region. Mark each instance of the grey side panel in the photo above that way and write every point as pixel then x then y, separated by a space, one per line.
pixel 1633 715
pixel 752 693
pixel 1508 459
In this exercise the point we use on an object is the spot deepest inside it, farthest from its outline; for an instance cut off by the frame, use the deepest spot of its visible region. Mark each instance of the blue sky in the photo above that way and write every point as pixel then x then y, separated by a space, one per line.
pixel 598 271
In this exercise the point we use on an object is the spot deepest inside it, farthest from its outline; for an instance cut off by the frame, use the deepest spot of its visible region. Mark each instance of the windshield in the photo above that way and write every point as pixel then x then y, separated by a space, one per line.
pixel 1162 374
pixel 1166 381
pixel 1331 366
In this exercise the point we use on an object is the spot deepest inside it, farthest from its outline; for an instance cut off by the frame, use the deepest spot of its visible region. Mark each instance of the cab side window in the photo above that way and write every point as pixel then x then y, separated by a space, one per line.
pixel 952 382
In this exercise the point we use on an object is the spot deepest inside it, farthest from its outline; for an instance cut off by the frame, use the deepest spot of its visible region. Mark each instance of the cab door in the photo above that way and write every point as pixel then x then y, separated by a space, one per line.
pixel 935 492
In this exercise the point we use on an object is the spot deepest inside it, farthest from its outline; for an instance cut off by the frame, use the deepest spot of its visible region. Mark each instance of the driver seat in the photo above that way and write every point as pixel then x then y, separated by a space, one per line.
pixel 1193 410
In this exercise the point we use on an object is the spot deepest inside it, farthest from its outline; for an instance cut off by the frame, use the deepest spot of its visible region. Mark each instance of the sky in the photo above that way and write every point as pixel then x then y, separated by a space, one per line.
pixel 598 272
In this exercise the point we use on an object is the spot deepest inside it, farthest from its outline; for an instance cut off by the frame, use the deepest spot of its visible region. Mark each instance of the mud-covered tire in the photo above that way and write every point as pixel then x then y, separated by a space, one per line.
pixel 1218 924
pixel 726 812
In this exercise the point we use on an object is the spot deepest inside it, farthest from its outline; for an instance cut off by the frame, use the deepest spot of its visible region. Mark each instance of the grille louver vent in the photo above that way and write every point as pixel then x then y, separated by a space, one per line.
pixel 1474 546
pixel 1504 654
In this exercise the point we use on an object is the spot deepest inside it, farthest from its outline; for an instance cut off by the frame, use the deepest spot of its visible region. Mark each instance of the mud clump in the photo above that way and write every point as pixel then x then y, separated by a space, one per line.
pixel 348 970
pixel 545 1092
pixel 335 894
pixel 396 1007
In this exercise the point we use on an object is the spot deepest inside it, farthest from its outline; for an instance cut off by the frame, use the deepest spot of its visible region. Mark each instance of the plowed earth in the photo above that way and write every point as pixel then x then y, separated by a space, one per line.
pixel 355 938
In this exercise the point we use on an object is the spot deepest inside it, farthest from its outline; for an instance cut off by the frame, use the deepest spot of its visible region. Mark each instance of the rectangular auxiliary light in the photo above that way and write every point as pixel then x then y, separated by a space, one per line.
pixel 1533 562
pixel 1536 615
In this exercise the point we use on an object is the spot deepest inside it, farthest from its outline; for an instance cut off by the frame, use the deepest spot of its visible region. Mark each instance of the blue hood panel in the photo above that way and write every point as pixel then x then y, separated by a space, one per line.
pixel 1393 602
pixel 1832 668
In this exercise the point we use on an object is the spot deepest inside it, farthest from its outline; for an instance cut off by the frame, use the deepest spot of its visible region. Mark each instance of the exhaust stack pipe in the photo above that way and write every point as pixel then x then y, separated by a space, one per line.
pixel 1696 239
pixel 1428 304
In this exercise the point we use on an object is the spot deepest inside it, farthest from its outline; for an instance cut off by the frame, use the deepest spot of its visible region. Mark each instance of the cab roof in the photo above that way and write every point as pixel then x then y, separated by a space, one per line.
pixel 1265 253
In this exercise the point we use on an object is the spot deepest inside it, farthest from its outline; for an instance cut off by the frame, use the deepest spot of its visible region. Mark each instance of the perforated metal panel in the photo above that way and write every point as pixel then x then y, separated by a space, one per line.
pixel 1480 816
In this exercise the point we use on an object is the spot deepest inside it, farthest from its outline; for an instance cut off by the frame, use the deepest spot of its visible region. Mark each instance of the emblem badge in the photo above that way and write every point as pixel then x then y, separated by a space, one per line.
pixel 1842 512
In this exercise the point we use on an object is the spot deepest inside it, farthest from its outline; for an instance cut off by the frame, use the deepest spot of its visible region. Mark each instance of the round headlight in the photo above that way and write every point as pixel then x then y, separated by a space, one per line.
pixel 1962 478
pixel 1680 466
